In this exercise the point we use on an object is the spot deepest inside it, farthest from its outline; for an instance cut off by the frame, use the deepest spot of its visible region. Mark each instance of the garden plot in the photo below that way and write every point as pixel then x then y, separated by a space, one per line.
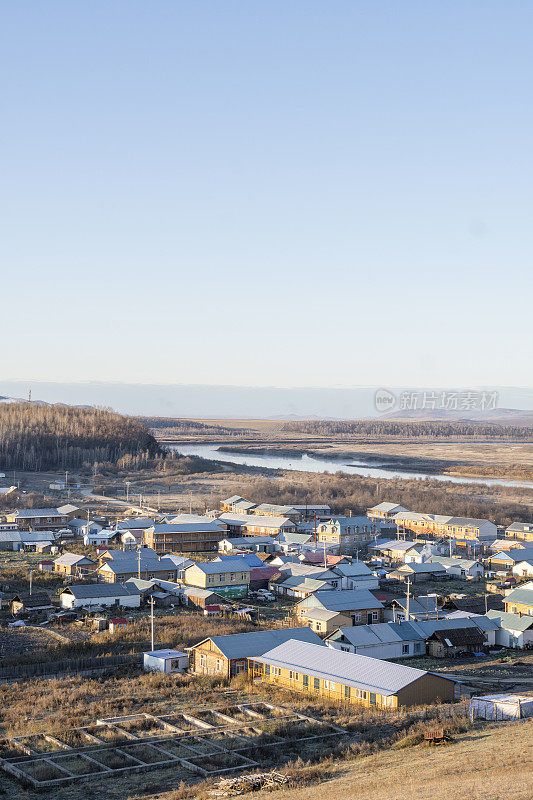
pixel 206 742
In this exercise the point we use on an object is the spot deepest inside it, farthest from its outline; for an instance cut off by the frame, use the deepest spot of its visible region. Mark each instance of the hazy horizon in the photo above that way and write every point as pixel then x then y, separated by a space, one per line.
pixel 226 401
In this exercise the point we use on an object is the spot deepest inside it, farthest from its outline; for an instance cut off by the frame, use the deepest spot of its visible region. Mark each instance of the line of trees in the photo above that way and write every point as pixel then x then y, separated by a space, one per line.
pixel 37 437
pixel 344 493
pixel 409 429
pixel 172 426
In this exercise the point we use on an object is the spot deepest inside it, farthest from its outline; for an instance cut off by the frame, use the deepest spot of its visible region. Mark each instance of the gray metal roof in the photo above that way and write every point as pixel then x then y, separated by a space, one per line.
pixel 345 600
pixel 226 565
pixel 522 596
pixel 29 513
pixel 512 622
pixel 348 669
pixel 124 566
pixel 70 559
pixel 101 590
pixel 256 520
pixel 250 645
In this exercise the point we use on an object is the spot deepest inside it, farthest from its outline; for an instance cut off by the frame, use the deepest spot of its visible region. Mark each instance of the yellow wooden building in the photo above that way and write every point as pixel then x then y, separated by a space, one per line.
pixel 347 677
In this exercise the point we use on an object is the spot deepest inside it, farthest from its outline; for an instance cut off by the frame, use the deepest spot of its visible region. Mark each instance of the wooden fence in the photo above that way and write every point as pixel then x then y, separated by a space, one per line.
pixel 67 666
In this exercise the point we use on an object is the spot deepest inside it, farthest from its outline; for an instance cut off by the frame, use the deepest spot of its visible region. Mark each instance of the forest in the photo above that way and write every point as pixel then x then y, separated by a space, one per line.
pixel 171 426
pixel 408 430
pixel 38 437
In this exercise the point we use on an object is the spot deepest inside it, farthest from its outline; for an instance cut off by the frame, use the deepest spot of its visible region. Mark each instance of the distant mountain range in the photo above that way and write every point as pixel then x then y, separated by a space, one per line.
pixel 259 402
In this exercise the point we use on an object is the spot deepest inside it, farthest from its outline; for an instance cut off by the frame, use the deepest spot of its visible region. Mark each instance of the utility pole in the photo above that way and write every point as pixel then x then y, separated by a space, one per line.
pixel 139 562
pixel 407 617
pixel 31 581
pixel 152 620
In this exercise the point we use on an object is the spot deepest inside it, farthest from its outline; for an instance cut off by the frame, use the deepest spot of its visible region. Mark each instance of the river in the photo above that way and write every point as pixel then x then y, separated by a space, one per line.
pixel 302 462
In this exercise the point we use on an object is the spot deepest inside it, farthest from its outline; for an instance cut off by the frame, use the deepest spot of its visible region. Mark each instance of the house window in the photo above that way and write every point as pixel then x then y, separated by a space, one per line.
pixel 305 681
pixel 347 692
pixel 356 617
pixel 375 616
pixel 203 661
pixel 316 684
pixel 372 699
pixel 267 669
pixel 329 685
pixel 294 676
pixel 345 648
pixel 239 667
pixel 405 648
pixel 219 664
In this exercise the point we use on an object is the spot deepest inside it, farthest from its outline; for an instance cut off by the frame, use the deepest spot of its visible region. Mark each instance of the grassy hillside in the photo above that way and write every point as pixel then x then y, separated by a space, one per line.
pixel 36 437
pixel 487 763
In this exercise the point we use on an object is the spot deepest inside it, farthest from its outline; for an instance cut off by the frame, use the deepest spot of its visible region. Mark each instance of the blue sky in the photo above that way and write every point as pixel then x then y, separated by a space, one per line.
pixel 280 193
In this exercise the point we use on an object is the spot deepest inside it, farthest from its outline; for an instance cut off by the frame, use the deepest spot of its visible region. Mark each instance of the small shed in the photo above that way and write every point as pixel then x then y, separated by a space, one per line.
pixel 38 602
pixel 165 661
pixel 444 643
pixel 118 622
pixel 501 706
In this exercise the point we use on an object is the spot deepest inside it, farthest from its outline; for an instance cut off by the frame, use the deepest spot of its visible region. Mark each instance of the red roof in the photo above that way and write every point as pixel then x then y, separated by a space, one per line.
pixel 262 573
pixel 119 621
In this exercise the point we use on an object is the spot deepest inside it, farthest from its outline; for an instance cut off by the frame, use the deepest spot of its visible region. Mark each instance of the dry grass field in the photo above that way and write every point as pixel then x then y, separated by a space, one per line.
pixel 489 763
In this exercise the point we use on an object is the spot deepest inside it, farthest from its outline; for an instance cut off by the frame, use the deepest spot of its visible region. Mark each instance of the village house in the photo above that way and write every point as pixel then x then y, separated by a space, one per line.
pixel 515 630
pixel 395 550
pixel 346 533
pixel 10 540
pixel 273 510
pixel 253 525
pixel 336 675
pixel 194 597
pixel 75 564
pixel 455 641
pixel 463 529
pixel 324 622
pixel 462 568
pixel 520 530
pixel 422 607
pixel 384 640
pixel 99 594
pixel 419 573
pixel 309 511
pixel 28 519
pixel 229 577
pixel 256 544
pixel 186 533
pixel 360 605
pixel 119 565
pixel 507 560
pixel 520 601
pixel 403 639
pixel 524 569
pixel 132 539
pixel 236 505
pixel 80 527
pixel 226 656
pixel 384 512
pixel 36 603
